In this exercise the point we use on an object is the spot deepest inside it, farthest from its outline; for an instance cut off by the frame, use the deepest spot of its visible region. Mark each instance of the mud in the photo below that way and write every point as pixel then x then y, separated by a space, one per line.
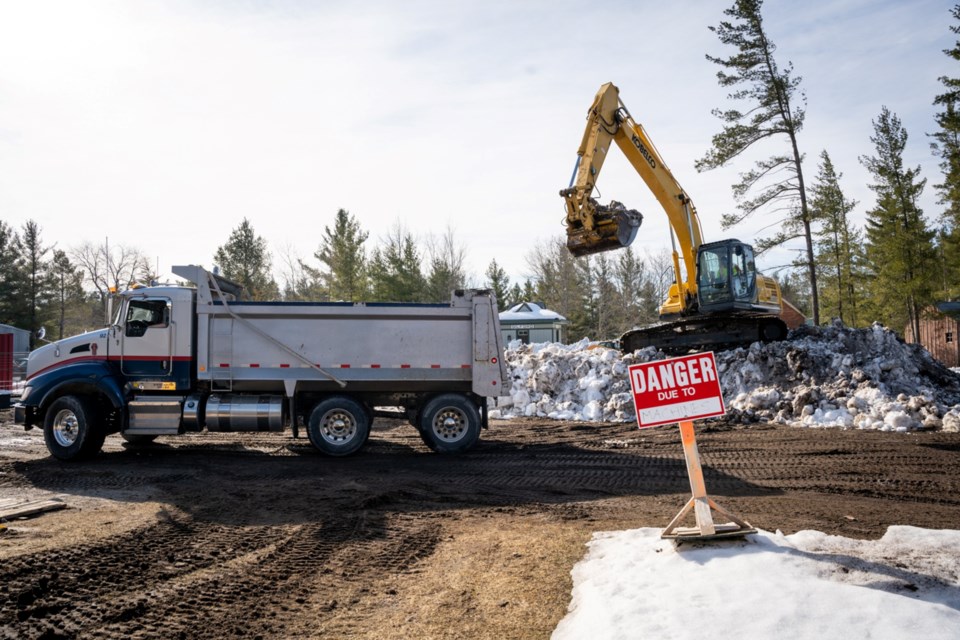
pixel 258 536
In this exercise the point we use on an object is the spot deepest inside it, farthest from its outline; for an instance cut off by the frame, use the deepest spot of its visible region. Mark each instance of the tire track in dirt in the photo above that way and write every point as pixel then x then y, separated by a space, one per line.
pixel 278 541
pixel 196 580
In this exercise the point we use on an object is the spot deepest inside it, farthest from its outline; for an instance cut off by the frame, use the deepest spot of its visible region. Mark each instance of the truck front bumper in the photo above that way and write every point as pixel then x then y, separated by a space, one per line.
pixel 19 414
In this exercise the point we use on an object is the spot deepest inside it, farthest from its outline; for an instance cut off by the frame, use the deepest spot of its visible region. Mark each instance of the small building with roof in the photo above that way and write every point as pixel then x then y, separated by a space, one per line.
pixel 939 332
pixel 530 322
pixel 21 338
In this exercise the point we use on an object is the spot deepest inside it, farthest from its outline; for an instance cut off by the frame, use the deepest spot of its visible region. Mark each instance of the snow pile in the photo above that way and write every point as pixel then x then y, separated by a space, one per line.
pixel 807 585
pixel 826 376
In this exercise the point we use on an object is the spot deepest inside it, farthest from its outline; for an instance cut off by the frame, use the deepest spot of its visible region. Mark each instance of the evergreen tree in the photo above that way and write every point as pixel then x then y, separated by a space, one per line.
pixel 559 284
pixel 395 274
pixel 946 146
pixel 245 259
pixel 499 282
pixel 11 276
pixel 899 246
pixel 795 288
pixel 631 287
pixel 528 294
pixel 69 300
pixel 38 285
pixel 446 273
pixel 768 93
pixel 343 253
pixel 607 315
pixel 839 245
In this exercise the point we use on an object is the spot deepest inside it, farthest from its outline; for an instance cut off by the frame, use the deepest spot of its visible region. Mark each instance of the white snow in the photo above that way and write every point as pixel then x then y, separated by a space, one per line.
pixel 809 586
pixel 821 377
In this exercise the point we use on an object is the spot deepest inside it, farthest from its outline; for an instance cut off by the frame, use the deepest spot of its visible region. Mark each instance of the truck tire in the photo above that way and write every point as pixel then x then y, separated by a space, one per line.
pixel 450 423
pixel 338 426
pixel 71 428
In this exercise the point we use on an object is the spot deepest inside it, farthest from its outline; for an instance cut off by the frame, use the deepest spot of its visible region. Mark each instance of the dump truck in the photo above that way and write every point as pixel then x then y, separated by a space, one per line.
pixel 197 356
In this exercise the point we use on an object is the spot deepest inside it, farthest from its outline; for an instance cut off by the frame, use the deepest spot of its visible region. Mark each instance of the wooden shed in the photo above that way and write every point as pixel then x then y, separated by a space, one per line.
pixel 939 332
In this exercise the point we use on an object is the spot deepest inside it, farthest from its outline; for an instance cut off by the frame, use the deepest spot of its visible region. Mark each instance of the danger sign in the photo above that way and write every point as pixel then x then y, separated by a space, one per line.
pixel 676 389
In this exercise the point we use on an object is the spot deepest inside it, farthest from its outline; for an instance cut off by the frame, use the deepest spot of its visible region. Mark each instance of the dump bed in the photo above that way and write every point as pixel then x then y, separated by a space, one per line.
pixel 356 346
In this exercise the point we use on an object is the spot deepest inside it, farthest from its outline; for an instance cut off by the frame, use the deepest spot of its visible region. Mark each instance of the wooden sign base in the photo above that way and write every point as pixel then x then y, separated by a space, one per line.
pixel 701 504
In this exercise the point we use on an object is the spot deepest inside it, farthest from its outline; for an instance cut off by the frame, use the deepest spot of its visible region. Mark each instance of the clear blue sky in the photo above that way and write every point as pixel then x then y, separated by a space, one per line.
pixel 163 125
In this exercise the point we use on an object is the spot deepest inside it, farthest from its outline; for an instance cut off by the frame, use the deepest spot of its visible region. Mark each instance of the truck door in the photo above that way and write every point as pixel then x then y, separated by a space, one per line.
pixel 147 340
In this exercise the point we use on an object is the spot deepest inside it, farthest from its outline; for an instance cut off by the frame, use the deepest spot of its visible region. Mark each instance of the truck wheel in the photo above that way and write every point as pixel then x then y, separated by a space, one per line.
pixel 71 430
pixel 338 426
pixel 450 423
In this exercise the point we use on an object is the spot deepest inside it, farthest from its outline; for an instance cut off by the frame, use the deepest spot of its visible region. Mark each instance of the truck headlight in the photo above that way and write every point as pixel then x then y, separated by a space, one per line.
pixel 25 393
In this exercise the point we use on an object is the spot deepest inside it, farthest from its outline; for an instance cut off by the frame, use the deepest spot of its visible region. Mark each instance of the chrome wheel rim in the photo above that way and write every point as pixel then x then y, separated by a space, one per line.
pixel 66 428
pixel 338 426
pixel 450 424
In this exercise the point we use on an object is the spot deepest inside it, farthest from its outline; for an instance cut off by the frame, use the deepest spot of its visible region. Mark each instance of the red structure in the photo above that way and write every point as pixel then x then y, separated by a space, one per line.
pixel 939 332
pixel 6 362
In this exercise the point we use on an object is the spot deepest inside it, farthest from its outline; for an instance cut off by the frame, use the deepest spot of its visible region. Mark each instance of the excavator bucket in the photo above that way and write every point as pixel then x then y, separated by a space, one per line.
pixel 614 227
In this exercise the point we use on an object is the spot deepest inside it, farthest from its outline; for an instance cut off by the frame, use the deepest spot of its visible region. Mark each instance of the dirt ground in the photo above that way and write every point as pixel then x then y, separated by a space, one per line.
pixel 258 536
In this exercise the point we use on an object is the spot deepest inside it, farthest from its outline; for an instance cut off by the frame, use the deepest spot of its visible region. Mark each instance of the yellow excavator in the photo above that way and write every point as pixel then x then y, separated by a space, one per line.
pixel 718 298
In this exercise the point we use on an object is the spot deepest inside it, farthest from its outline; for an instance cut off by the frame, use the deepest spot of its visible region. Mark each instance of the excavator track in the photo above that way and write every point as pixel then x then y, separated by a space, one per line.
pixel 705 334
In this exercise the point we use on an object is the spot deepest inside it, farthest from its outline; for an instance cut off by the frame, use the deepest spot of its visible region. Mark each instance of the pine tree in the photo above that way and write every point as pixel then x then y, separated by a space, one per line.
pixel 343 253
pixel 446 273
pixel 11 276
pixel 768 93
pixel 245 259
pixel 946 146
pixel 69 300
pixel 395 274
pixel 839 245
pixel 899 246
pixel 630 288
pixel 499 282
pixel 558 280
pixel 528 294
pixel 38 285
pixel 795 288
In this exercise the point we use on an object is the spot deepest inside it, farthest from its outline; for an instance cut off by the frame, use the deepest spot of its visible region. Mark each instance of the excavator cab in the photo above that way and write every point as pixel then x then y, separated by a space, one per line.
pixel 726 276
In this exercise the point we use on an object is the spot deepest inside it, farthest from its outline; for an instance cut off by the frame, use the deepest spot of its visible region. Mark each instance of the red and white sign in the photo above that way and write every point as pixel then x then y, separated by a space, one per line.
pixel 676 389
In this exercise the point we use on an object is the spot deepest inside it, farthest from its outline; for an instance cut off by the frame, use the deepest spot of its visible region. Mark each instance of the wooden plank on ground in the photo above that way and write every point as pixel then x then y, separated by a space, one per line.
pixel 27 509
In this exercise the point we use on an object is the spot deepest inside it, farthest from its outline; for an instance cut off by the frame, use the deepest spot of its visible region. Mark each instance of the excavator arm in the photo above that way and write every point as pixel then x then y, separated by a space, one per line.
pixel 592 227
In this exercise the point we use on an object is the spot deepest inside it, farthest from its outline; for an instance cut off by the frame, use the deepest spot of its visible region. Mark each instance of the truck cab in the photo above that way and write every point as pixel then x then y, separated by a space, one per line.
pixel 152 338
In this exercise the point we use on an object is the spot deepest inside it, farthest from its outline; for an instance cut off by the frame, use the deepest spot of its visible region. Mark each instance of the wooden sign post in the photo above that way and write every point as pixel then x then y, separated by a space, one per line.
pixel 681 390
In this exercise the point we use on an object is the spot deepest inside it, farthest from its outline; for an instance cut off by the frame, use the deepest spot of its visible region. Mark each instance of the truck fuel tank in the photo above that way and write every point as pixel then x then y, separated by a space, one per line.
pixel 233 412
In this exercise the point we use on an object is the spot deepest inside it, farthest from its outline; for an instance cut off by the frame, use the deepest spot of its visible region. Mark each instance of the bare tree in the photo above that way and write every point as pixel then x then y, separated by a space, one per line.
pixel 447 260
pixel 109 268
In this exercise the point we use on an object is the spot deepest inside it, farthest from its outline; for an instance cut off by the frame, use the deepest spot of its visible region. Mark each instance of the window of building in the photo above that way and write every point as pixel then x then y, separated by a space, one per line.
pixel 949 336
